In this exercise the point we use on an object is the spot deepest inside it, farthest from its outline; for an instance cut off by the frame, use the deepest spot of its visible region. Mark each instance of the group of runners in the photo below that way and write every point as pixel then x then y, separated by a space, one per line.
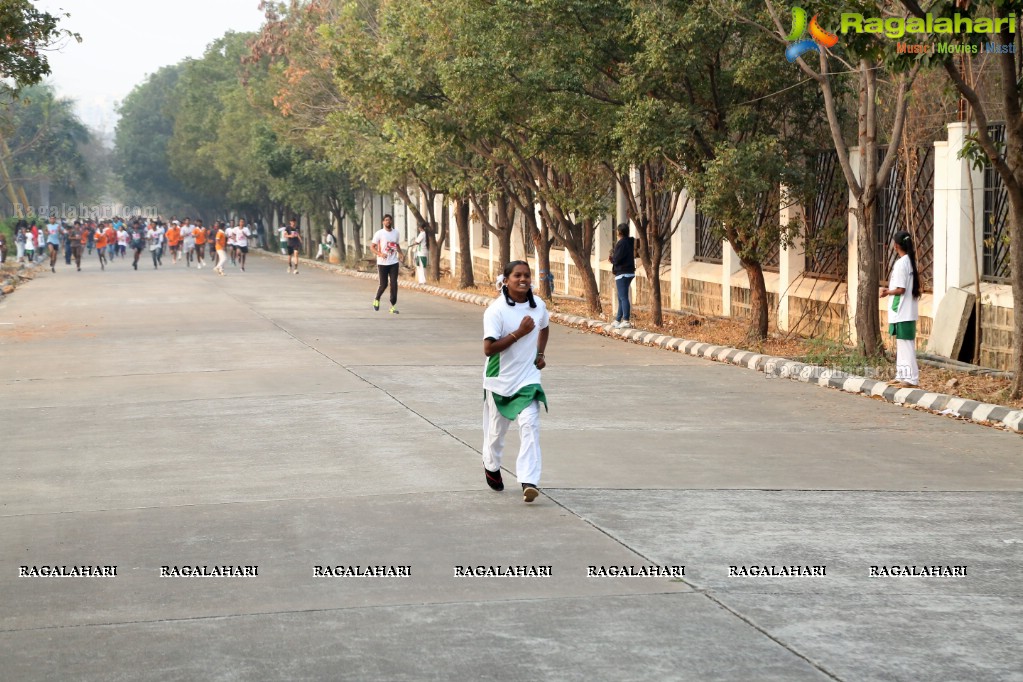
pixel 183 240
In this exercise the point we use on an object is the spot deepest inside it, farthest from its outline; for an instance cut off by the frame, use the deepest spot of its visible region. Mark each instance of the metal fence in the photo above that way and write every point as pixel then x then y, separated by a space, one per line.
pixel 827 221
pixel 708 244
pixel 996 218
pixel 906 202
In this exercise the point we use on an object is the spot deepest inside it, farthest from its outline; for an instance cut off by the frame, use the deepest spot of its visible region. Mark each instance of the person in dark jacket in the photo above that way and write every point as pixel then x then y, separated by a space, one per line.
pixel 623 267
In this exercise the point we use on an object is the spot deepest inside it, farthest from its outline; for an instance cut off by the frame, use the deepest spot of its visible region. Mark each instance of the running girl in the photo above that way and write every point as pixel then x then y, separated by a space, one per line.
pixel 220 241
pixel 53 241
pixel 200 243
pixel 76 237
pixel 294 240
pixel 515 332
pixel 174 241
pixel 101 248
pixel 138 243
pixel 188 241
pixel 241 242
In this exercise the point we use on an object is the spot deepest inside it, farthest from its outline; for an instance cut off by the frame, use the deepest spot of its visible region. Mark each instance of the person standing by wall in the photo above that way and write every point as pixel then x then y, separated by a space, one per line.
pixel 31 235
pixel 20 240
pixel 422 253
pixel 388 253
pixel 623 267
pixel 903 313
pixel 515 333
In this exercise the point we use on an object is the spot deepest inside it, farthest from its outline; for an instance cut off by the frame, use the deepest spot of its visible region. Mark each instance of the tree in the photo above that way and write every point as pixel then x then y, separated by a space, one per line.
pixel 143 133
pixel 43 142
pixel 1005 158
pixel 27 33
pixel 870 57
pixel 201 96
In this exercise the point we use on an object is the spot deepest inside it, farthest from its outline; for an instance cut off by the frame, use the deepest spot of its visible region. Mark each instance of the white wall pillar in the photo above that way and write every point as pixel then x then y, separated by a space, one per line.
pixel 683 245
pixel 954 234
pixel 792 262
pixel 729 266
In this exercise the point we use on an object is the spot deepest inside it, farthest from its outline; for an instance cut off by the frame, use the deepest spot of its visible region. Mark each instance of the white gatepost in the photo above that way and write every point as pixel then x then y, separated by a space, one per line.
pixel 452 233
pixel 954 235
pixel 792 262
pixel 729 266
pixel 683 245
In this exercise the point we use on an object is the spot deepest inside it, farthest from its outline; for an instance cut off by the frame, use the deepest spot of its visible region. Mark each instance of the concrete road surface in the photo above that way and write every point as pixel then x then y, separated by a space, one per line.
pixel 159 421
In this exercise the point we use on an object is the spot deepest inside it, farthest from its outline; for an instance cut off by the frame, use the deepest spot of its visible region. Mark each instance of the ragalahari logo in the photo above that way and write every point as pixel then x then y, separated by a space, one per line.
pixel 818 36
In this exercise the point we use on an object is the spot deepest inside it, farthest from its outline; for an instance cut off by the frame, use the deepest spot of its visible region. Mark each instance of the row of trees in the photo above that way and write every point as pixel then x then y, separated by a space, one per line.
pixel 540 112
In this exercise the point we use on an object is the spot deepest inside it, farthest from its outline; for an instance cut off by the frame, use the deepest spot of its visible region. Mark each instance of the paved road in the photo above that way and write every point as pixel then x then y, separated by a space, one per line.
pixel 175 418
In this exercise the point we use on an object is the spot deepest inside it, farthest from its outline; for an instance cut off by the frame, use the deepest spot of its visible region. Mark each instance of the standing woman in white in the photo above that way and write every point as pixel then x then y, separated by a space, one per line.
pixel 422 253
pixel 903 313
pixel 515 331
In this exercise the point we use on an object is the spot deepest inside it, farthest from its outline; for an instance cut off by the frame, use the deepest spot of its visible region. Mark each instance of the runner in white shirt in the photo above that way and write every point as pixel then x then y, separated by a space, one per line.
pixel 241 240
pixel 903 312
pixel 515 332
pixel 388 253
pixel 155 237
pixel 122 241
pixel 231 244
pixel 188 241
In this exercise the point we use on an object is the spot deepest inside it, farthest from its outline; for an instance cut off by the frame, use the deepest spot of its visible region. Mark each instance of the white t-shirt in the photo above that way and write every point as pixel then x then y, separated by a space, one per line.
pixel 155 236
pixel 188 234
pixel 241 236
pixel 902 278
pixel 512 369
pixel 122 237
pixel 231 236
pixel 387 242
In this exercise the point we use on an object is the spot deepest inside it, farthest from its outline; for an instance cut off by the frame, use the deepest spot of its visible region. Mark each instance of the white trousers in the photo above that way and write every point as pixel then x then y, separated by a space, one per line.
pixel 906 368
pixel 220 260
pixel 420 273
pixel 495 427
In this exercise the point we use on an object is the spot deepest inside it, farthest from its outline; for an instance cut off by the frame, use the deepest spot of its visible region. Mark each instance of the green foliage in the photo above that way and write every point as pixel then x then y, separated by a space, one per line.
pixel 143 134
pixel 27 33
pixel 46 141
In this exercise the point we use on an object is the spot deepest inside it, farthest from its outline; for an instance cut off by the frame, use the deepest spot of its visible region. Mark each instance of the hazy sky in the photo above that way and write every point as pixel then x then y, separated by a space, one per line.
pixel 125 40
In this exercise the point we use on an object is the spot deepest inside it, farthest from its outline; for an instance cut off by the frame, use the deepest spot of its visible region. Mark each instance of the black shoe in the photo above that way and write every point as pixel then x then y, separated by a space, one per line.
pixel 529 492
pixel 493 479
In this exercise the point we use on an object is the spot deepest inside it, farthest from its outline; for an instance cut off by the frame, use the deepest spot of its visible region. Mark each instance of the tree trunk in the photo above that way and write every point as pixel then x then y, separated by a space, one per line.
pixel 757 299
pixel 504 247
pixel 542 242
pixel 868 321
pixel 465 273
pixel 505 223
pixel 654 279
pixel 1016 271
pixel 590 293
